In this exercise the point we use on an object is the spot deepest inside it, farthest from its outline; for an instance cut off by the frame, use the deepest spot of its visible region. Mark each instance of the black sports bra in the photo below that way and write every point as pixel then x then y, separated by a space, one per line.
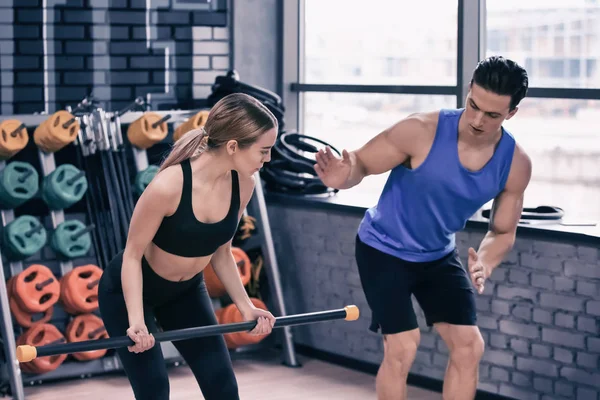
pixel 183 235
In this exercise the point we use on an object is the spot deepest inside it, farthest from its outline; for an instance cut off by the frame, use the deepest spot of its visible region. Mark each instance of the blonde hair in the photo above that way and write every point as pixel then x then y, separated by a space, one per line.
pixel 237 116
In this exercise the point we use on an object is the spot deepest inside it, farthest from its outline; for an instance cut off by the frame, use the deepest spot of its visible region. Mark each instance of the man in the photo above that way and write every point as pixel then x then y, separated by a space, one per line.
pixel 444 165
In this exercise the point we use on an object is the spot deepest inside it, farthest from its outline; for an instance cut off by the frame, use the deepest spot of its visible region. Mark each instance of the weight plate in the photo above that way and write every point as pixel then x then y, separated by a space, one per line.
pixel 24 237
pixel 143 179
pixel 19 182
pixel 64 186
pixel 71 239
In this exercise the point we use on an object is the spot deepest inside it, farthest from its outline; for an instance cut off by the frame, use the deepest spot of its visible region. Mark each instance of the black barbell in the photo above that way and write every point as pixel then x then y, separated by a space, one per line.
pixel 26 353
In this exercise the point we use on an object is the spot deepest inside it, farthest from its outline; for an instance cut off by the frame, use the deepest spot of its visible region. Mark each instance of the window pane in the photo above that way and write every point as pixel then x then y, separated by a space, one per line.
pixel 380 42
pixel 561 137
pixel 558 42
pixel 349 120
pixel 563 140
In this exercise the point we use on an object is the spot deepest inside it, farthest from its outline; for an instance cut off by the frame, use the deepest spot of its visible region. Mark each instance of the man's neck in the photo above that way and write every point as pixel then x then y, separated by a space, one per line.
pixel 466 137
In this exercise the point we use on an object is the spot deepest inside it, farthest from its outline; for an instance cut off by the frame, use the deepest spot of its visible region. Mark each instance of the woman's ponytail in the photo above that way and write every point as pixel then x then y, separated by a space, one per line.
pixel 189 145
pixel 237 116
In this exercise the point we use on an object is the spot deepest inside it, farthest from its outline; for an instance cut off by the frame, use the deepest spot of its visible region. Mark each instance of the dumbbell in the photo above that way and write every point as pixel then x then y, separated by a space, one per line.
pixel 72 239
pixel 40 335
pixel 59 130
pixel 32 294
pixel 35 289
pixel 147 130
pixel 23 237
pixel 79 289
pixel 86 327
pixel 24 317
pixel 13 138
pixel 64 186
pixel 196 121
pixel 19 182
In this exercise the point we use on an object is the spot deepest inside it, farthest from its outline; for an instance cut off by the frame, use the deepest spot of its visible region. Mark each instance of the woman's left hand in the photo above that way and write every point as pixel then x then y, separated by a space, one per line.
pixel 265 321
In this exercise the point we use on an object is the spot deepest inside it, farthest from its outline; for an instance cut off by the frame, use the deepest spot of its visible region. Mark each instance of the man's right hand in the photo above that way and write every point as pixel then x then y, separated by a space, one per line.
pixel 139 334
pixel 333 172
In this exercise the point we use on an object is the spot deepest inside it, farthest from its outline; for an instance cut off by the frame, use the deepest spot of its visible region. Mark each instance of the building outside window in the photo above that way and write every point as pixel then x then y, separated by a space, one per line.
pixel 557 41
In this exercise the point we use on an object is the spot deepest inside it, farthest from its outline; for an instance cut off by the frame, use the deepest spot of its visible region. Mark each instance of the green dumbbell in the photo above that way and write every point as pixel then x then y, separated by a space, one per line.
pixel 19 182
pixel 64 187
pixel 23 237
pixel 143 179
pixel 72 239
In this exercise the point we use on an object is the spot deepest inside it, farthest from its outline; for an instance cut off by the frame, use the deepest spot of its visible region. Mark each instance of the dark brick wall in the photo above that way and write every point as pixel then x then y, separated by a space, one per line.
pixel 539 314
pixel 101 46
pixel 52 58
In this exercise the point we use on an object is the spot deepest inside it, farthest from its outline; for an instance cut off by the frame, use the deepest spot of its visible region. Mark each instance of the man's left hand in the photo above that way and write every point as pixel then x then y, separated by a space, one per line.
pixel 479 273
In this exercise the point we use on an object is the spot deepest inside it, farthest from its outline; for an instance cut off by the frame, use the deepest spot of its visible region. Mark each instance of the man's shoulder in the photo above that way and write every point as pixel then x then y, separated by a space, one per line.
pixel 520 170
pixel 431 119
pixel 427 120
pixel 520 157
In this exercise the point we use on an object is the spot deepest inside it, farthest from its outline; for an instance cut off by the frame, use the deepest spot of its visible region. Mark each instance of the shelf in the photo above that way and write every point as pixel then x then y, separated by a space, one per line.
pixel 73 368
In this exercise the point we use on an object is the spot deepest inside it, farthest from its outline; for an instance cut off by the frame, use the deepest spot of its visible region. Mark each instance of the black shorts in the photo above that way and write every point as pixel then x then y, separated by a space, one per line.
pixel 442 288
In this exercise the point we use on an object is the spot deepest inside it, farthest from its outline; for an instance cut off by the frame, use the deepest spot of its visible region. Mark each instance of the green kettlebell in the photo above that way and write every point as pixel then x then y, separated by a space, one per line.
pixel 143 179
pixel 23 237
pixel 72 239
pixel 19 182
pixel 64 187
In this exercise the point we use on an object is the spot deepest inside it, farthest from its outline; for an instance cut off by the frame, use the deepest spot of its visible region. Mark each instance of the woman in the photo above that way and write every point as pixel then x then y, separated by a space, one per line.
pixel 185 218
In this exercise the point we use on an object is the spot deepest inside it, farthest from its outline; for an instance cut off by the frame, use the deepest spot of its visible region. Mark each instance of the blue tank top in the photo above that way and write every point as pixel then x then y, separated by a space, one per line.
pixel 421 209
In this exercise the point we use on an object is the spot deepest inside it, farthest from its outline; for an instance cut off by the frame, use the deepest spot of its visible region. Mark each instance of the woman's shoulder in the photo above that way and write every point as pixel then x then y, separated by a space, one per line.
pixel 247 184
pixel 167 184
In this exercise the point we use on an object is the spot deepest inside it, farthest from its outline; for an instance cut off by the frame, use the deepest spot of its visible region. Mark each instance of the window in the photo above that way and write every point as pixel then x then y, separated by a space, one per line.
pixel 380 42
pixel 550 36
pixel 349 120
pixel 562 138
pixel 560 135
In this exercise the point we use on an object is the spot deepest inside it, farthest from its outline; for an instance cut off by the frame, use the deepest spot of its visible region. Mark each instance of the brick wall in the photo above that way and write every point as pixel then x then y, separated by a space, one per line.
pixel 539 314
pixel 101 46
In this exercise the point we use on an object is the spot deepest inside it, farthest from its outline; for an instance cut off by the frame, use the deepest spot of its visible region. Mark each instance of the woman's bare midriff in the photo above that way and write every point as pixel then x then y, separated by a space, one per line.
pixel 174 268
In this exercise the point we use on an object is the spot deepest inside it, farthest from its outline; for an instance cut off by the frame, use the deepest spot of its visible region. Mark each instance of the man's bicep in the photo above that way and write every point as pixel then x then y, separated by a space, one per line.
pixel 389 148
pixel 506 212
pixel 508 205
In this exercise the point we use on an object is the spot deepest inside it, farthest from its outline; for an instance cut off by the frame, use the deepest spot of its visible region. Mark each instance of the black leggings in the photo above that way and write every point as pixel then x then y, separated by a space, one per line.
pixel 174 305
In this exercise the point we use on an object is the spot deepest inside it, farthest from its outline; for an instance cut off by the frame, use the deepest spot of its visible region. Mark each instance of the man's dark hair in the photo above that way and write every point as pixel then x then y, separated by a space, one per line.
pixel 503 77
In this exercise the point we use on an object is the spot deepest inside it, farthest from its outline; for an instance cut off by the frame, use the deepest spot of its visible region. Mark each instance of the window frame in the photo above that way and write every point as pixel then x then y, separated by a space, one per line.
pixel 471 48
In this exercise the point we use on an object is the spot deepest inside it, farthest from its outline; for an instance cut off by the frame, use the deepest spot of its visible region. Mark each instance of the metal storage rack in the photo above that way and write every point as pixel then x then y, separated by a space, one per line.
pixel 10 372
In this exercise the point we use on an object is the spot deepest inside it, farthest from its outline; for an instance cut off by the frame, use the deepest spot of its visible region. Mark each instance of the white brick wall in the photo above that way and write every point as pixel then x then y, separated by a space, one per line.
pixel 538 314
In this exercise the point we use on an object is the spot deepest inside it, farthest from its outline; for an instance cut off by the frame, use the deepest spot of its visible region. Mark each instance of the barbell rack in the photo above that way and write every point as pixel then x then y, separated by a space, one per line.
pixel 112 127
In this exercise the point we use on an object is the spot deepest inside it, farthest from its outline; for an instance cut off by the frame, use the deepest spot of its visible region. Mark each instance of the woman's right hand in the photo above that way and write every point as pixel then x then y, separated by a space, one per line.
pixel 142 338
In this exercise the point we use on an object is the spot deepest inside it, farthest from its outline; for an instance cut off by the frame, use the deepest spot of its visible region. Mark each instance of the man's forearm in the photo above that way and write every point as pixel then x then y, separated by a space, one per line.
pixel 357 172
pixel 494 247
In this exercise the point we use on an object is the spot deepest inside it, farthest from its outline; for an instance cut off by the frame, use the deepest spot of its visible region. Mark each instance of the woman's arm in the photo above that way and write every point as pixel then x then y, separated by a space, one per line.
pixel 226 269
pixel 158 199
pixel 224 264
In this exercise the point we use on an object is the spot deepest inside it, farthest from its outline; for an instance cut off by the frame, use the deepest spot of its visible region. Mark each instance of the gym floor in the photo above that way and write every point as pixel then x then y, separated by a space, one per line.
pixel 259 376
